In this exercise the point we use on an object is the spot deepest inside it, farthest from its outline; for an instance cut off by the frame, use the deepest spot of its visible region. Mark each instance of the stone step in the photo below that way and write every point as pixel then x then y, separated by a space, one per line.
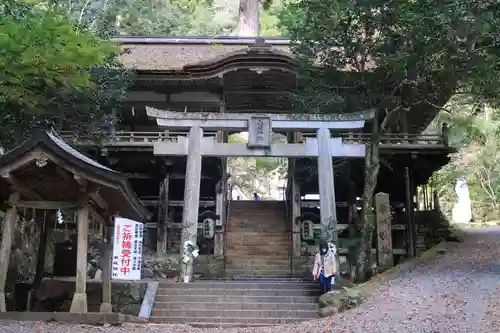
pixel 204 298
pixel 261 217
pixel 262 241
pixel 239 251
pixel 258 242
pixel 242 273
pixel 241 228
pixel 247 314
pixel 252 234
pixel 263 279
pixel 242 251
pixel 258 216
pixel 246 302
pixel 242 263
pixel 238 292
pixel 263 231
pixel 261 204
pixel 260 260
pixel 225 321
pixel 244 228
pixel 225 306
pixel 250 284
pixel 257 268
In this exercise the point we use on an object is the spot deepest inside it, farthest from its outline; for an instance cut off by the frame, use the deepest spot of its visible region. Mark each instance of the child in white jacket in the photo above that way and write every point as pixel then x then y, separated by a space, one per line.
pixel 325 266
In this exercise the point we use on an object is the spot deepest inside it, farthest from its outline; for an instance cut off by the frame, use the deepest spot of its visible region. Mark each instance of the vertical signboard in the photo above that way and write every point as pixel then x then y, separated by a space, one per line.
pixel 127 250
pixel 259 132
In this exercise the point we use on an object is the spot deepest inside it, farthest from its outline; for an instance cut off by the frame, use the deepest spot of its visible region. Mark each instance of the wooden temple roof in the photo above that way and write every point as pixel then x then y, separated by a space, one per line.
pixel 176 54
pixel 253 74
pixel 45 168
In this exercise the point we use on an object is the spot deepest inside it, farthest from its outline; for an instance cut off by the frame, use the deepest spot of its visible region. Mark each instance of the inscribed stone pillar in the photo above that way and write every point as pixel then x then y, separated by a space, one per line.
pixel 384 230
pixel 106 306
pixel 328 210
pixel 5 249
pixel 220 202
pixel 79 303
pixel 191 196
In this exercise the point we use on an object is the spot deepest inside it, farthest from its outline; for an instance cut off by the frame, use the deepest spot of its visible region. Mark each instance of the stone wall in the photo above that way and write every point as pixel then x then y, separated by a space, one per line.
pixel 56 295
pixel 159 266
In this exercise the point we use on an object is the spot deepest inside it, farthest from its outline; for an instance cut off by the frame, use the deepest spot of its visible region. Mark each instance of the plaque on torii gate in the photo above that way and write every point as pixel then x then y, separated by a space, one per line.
pixel 260 128
pixel 259 132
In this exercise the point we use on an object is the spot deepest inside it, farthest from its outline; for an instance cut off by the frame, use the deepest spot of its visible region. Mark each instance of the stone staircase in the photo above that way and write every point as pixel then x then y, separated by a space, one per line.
pixel 262 302
pixel 257 240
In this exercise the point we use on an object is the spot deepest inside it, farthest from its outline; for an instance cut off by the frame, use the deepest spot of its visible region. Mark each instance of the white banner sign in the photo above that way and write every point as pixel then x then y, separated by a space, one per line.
pixel 127 250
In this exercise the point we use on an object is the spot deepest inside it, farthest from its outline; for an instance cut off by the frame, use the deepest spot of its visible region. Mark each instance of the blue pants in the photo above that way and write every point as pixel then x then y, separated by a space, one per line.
pixel 327 283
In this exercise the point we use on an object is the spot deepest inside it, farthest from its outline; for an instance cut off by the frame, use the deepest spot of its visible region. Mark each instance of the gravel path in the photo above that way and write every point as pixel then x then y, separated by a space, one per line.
pixel 459 292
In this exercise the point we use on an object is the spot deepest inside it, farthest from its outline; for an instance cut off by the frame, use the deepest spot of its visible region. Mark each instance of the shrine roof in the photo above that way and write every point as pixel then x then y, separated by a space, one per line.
pixel 176 63
pixel 175 53
pixel 43 169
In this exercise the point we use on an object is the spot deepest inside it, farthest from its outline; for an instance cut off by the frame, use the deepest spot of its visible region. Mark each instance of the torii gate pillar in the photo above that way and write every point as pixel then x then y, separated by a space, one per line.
pixel 328 210
pixel 191 195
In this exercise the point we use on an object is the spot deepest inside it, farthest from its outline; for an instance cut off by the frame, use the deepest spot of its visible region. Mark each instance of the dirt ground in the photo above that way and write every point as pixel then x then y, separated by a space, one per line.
pixel 458 292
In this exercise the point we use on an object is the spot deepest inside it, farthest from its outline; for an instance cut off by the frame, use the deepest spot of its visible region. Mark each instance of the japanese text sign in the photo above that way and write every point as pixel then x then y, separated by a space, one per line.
pixel 127 250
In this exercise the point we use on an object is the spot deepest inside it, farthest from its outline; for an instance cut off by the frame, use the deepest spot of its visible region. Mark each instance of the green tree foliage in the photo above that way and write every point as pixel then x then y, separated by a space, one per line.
pixel 393 57
pixel 475 131
pixel 53 71
pixel 164 17
pixel 251 174
pixel 147 17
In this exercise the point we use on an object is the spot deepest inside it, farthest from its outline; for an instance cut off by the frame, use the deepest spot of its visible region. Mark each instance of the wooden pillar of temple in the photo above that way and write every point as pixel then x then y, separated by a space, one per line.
pixel 351 204
pixel 40 262
pixel 161 224
pixel 79 303
pixel 107 249
pixel 6 245
pixel 410 227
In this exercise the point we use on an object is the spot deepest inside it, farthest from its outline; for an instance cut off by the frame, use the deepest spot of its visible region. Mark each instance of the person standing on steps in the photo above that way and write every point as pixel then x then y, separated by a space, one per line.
pixel 325 266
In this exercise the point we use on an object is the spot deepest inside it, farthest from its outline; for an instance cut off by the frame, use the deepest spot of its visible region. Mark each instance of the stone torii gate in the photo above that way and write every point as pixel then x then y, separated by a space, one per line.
pixel 260 128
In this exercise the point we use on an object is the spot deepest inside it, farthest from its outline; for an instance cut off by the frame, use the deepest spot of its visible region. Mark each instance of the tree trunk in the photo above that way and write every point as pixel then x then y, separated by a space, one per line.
pixel 248 18
pixel 372 166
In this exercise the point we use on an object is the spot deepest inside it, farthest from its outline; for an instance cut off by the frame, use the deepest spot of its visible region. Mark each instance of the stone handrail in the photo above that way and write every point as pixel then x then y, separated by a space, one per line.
pixel 148 302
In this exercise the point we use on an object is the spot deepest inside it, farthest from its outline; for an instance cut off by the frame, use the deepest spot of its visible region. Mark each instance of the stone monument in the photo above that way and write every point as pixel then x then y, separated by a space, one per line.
pixel 462 210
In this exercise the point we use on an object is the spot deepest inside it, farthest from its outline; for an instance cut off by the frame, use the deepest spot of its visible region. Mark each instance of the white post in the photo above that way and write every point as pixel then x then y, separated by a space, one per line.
pixel 326 182
pixel 191 196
